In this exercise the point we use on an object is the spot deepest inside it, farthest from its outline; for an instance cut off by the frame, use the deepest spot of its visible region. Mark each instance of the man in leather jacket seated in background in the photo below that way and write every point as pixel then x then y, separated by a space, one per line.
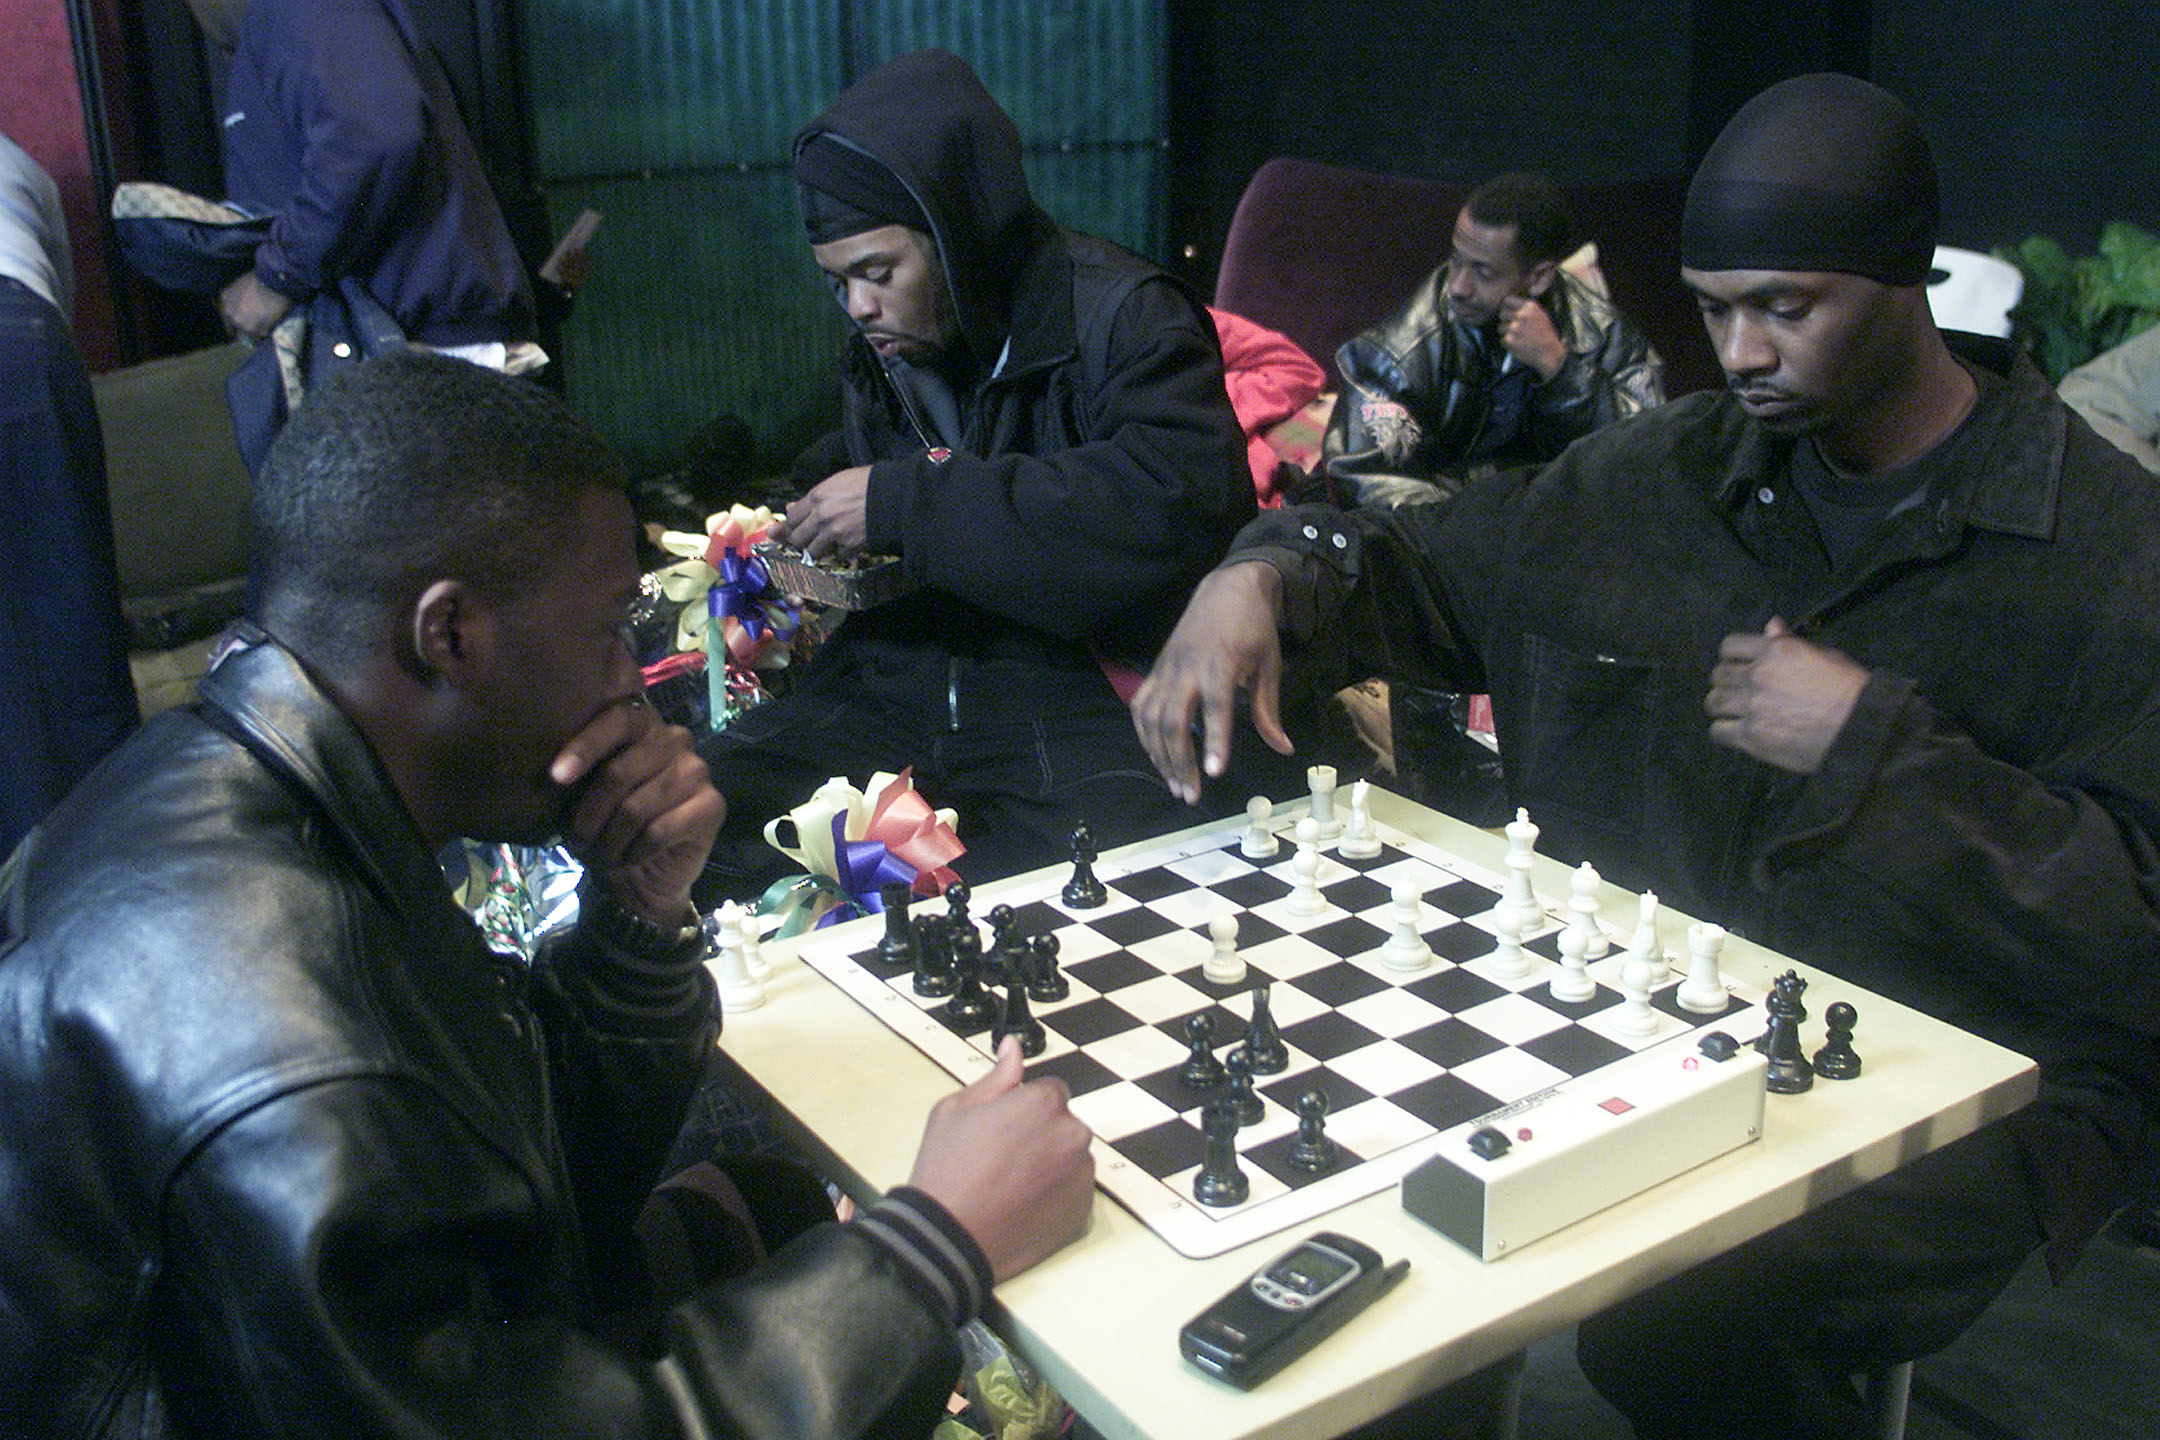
pixel 1500 358
pixel 284 1147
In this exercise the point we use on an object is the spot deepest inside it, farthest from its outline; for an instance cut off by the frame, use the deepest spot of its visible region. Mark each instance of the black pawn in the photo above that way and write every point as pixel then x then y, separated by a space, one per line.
pixel 1046 982
pixel 898 948
pixel 1017 1020
pixel 1245 1102
pixel 971 1006
pixel 1837 1060
pixel 1269 1055
pixel 1008 947
pixel 1789 1071
pixel 956 905
pixel 1202 1070
pixel 1083 891
pixel 1313 1153
pixel 1220 1183
pixel 933 957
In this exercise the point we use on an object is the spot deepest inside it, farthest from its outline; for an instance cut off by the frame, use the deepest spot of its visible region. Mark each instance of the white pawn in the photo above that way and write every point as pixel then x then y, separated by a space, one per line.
pixel 1360 841
pixel 1406 948
pixel 1583 911
pixel 1305 897
pixel 1573 983
pixel 1645 945
pixel 1509 958
pixel 1224 965
pixel 1259 841
pixel 1703 991
pixel 1322 780
pixel 1635 1016
pixel 739 989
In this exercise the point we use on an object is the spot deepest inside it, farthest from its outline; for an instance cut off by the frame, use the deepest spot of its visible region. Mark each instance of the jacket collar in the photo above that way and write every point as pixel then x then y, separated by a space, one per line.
pixel 2016 423
pixel 261 695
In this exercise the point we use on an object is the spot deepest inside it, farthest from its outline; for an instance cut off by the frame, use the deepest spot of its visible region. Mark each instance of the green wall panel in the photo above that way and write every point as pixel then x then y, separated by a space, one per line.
pixel 673 118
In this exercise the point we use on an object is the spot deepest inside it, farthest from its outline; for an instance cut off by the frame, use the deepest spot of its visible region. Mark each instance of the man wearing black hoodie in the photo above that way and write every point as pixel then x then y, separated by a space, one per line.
pixel 1034 422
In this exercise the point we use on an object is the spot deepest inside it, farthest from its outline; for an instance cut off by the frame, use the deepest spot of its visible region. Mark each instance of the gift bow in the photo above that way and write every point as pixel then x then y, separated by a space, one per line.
pixel 755 621
pixel 851 846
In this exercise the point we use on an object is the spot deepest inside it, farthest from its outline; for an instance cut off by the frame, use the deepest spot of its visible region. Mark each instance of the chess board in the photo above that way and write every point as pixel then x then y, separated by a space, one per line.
pixel 1400 1056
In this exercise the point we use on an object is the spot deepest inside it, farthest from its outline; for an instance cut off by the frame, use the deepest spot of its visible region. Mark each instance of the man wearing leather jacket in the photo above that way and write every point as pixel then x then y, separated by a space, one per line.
pixel 1500 358
pixel 286 1149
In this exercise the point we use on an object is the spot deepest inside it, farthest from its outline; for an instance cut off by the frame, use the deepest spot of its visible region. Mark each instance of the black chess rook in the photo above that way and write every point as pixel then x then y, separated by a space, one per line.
pixel 1220 1183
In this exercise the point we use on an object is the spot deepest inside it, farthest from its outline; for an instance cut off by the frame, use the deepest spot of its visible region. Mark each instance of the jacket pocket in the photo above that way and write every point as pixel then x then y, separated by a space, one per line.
pixel 1583 744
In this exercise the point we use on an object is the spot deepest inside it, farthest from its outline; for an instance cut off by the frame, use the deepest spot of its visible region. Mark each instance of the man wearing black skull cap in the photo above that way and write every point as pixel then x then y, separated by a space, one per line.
pixel 1919 603
pixel 1034 421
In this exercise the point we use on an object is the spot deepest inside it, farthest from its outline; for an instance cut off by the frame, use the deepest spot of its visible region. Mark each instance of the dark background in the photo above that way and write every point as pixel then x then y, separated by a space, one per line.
pixel 1144 121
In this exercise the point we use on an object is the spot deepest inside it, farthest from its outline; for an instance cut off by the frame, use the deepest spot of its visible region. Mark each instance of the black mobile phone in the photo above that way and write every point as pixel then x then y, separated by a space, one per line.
pixel 1288 1306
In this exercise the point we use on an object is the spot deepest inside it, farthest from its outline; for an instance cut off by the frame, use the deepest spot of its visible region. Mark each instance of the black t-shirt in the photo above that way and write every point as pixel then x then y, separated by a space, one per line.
pixel 1847 509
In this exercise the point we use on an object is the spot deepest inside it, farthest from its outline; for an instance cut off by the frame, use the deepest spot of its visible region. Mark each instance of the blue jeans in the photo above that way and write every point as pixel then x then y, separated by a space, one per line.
pixel 66 696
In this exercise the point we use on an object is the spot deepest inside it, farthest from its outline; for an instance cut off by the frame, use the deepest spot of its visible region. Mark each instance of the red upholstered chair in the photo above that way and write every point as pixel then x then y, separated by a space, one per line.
pixel 1320 251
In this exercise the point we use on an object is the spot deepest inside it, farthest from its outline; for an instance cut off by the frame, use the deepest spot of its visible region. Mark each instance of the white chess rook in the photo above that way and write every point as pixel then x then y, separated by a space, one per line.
pixel 1703 991
pixel 1322 780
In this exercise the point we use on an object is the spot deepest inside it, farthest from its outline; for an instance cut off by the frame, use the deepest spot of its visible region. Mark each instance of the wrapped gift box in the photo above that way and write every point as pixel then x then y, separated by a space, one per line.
pixel 857 585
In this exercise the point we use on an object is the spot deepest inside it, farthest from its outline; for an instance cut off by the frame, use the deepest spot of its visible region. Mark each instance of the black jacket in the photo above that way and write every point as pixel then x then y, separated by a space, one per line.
pixel 1102 470
pixel 285 1149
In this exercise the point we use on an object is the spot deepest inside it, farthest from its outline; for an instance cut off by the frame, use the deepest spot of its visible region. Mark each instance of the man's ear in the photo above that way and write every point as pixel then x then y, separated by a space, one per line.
pixel 1540 278
pixel 451 634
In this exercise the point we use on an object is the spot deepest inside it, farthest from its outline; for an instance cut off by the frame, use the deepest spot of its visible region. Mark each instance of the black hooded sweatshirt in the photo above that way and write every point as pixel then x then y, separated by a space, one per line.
pixel 1100 472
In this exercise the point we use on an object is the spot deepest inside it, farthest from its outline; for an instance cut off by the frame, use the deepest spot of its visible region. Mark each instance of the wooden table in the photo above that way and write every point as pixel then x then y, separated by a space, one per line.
pixel 1100 1318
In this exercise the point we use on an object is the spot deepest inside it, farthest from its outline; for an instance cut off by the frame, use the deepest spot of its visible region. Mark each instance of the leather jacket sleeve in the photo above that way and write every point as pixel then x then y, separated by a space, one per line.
pixel 1611 373
pixel 413 1303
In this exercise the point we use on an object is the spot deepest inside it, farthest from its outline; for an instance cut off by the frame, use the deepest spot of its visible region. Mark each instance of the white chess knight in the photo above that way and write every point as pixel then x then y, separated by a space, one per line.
pixel 1360 841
